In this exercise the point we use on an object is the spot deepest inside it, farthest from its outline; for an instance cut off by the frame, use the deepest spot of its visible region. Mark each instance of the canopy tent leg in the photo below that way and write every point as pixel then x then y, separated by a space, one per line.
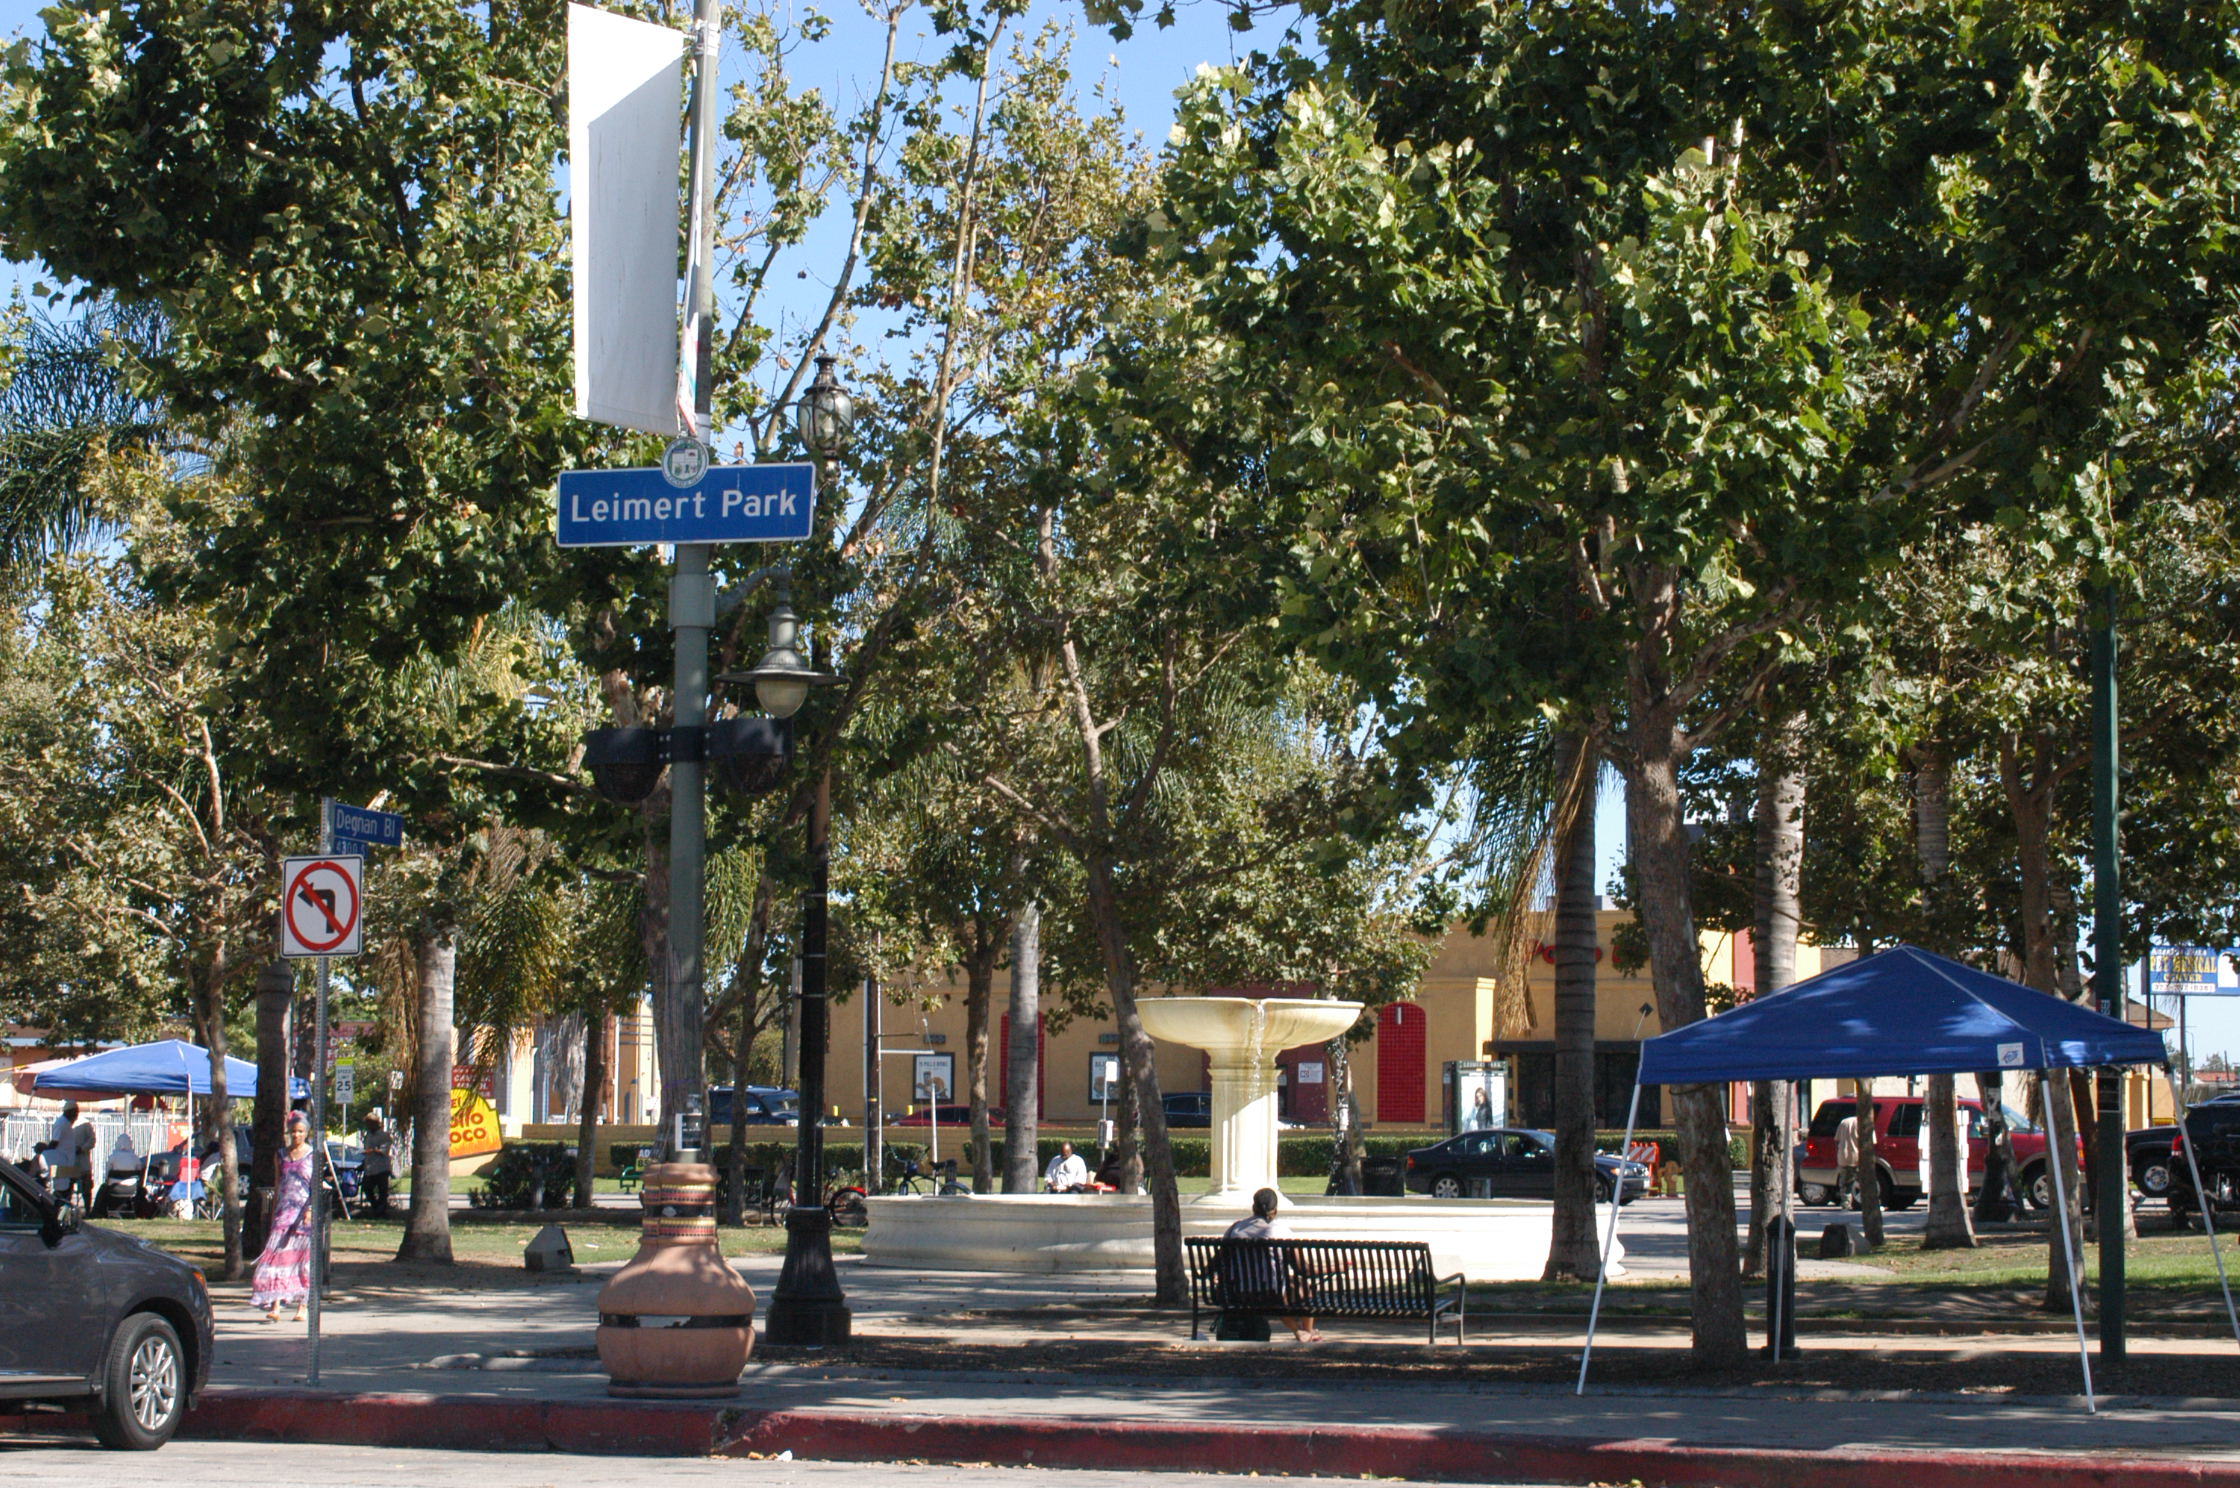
pixel 1610 1235
pixel 1782 1304
pixel 2068 1240
pixel 2208 1220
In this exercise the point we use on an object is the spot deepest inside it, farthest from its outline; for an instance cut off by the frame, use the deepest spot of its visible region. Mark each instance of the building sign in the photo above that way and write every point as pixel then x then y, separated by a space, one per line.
pixel 474 1125
pixel 2193 971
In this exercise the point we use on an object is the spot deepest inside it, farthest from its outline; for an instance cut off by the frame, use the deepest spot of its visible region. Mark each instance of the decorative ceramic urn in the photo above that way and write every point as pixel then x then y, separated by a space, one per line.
pixel 677 1322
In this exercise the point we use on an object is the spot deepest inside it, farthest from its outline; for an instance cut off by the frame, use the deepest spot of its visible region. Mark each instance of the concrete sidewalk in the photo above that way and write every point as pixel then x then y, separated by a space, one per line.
pixel 513 1368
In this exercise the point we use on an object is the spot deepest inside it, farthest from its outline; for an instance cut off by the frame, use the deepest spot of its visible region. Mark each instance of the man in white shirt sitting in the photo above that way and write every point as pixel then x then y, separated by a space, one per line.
pixel 1066 1173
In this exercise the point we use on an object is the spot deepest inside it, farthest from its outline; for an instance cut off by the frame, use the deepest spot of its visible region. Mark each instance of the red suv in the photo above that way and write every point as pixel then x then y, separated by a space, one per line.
pixel 1902 1152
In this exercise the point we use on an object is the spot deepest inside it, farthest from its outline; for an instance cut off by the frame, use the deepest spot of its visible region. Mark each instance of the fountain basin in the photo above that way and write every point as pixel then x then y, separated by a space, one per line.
pixel 1242 1037
pixel 1483 1239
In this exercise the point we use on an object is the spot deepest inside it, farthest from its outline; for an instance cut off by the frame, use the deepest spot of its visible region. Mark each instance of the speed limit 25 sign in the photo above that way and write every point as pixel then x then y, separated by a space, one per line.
pixel 322 903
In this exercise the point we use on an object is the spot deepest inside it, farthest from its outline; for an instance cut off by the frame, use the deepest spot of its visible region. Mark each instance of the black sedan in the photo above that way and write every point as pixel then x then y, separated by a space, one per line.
pixel 93 1319
pixel 1515 1163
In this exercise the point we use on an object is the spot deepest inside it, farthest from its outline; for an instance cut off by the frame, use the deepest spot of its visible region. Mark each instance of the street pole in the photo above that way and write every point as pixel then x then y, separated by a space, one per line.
pixel 318 1196
pixel 692 602
pixel 2107 970
pixel 874 1103
pixel 808 1309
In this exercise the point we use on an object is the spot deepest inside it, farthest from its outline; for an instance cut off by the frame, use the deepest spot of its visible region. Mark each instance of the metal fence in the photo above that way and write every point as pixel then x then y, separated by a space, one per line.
pixel 152 1131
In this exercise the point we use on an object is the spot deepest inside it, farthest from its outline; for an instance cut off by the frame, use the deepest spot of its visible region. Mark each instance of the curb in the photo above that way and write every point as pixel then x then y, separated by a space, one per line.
pixel 705 1430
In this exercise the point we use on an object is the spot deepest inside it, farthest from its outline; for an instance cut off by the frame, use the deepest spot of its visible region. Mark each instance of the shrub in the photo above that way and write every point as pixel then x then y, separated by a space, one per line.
pixel 528 1176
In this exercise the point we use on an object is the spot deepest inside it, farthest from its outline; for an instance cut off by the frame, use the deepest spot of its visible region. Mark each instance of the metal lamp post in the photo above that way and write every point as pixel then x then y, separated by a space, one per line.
pixel 2107 972
pixel 808 1308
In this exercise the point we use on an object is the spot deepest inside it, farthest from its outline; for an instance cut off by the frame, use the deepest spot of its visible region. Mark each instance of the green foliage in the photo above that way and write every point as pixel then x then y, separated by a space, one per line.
pixel 525 1173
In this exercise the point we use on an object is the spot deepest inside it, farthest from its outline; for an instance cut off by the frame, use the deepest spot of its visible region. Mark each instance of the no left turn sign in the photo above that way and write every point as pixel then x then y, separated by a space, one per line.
pixel 320 902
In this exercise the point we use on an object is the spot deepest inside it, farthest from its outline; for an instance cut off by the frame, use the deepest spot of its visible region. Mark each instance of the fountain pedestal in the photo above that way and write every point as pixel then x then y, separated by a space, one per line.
pixel 1242 1037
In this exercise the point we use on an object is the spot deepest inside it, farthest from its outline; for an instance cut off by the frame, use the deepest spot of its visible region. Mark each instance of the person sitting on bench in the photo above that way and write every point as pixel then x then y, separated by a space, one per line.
pixel 1067 1173
pixel 1261 1279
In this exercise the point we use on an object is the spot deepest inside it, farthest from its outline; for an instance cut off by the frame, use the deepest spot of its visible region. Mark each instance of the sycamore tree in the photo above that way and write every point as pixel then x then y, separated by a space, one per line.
pixel 1631 338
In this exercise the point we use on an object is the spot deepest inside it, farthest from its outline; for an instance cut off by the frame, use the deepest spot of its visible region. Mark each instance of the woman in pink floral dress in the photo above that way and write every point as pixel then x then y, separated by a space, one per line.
pixel 284 1270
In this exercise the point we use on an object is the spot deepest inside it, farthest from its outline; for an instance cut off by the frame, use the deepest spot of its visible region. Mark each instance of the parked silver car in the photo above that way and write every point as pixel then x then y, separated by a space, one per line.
pixel 94 1320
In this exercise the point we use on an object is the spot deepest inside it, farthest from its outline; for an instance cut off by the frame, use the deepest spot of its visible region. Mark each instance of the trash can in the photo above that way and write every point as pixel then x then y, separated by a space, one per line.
pixel 1381 1176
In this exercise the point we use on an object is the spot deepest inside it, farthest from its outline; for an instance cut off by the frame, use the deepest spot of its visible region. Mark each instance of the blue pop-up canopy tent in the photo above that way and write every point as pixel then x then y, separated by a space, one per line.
pixel 1904 1011
pixel 166 1067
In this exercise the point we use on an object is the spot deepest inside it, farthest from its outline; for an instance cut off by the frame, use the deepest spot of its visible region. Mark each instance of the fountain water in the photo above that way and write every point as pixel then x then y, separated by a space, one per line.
pixel 1484 1239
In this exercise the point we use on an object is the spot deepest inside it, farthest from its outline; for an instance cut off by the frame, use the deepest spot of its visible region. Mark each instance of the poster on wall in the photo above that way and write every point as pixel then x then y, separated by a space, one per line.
pixel 1477 1095
pixel 933 1077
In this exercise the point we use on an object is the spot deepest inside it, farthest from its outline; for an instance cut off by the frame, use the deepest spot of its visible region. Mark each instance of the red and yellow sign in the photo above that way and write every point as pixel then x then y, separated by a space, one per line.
pixel 474 1124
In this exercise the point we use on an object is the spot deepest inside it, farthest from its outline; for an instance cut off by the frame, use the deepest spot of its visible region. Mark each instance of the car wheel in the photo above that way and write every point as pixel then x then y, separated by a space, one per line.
pixel 1813 1195
pixel 2154 1177
pixel 1446 1186
pixel 1894 1197
pixel 2037 1188
pixel 144 1386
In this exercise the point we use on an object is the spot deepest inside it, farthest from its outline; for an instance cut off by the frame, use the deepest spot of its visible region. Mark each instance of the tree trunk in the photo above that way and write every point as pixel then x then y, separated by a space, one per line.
pixel 742 1053
pixel 1660 864
pixel 979 992
pixel 1948 1226
pixel 1870 1170
pixel 2065 1268
pixel 2030 805
pixel 593 1093
pixel 210 1012
pixel 1023 1072
pixel 268 1121
pixel 1992 1203
pixel 1776 924
pixel 1143 1077
pixel 1573 1254
pixel 427 1226
pixel 562 1042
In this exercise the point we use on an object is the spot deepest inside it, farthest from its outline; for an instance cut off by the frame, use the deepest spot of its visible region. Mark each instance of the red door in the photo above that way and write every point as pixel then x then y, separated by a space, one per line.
pixel 1400 1077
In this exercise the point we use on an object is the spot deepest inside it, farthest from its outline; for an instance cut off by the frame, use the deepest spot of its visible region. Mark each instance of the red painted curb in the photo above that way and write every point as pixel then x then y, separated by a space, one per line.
pixel 683 1429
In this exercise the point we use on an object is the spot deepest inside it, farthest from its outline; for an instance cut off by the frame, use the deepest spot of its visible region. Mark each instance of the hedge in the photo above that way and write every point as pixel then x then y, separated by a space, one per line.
pixel 1299 1154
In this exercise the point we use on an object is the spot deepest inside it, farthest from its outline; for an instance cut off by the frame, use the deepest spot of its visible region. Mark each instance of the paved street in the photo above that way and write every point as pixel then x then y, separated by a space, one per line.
pixel 235 1463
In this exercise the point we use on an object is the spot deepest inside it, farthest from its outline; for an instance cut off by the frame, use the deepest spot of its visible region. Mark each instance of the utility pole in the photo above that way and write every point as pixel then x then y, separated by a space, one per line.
pixel 2107 970
pixel 692 612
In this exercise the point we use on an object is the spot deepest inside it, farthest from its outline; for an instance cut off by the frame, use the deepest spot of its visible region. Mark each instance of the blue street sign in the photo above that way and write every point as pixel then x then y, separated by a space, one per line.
pixel 731 503
pixel 360 826
pixel 345 846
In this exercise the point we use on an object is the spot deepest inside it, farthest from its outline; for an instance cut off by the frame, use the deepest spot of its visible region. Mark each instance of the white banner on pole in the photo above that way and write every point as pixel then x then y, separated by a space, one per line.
pixel 625 138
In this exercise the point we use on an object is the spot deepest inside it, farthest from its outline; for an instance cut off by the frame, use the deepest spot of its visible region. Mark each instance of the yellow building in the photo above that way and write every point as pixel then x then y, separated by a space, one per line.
pixel 1456 1014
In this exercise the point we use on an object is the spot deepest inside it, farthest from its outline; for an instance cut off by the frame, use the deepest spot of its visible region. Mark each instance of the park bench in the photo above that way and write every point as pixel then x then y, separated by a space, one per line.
pixel 1381 1279
pixel 630 1163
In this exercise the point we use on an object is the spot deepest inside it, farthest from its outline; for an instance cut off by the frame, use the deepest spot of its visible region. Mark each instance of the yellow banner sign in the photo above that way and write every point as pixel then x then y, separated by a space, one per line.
pixel 474 1125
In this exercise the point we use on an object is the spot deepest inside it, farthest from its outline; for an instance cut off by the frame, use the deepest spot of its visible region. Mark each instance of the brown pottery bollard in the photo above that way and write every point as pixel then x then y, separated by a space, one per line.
pixel 677 1321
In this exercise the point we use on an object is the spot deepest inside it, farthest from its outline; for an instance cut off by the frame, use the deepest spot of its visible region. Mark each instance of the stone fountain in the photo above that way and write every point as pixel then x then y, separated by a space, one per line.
pixel 1484 1239
pixel 1242 1037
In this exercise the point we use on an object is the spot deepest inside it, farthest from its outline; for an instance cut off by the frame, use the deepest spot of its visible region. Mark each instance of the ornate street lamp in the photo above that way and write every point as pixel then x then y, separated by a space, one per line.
pixel 808 1308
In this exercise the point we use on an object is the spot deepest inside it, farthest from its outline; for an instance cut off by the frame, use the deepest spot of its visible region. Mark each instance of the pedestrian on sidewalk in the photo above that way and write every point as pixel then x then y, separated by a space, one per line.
pixel 1847 1162
pixel 284 1270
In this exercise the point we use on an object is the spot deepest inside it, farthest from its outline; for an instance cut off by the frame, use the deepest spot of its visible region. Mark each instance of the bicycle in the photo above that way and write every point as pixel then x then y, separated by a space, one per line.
pixel 942 1183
